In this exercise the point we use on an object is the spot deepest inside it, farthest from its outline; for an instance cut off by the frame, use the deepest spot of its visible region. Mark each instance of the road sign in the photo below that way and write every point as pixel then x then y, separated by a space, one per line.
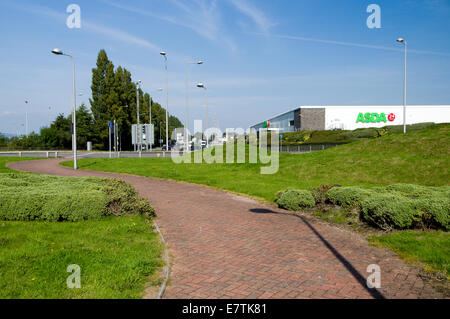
pixel 110 124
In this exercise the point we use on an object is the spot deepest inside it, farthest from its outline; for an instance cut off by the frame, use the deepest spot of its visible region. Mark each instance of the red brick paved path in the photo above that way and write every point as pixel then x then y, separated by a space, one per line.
pixel 226 246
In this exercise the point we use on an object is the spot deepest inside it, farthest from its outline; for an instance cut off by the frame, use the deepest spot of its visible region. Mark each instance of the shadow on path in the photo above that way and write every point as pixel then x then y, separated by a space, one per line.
pixel 361 280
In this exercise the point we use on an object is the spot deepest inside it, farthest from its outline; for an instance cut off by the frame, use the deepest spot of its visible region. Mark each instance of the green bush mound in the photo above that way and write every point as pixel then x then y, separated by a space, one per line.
pixel 344 137
pixel 398 206
pixel 295 199
pixel 348 196
pixel 320 193
pixel 29 197
pixel 389 211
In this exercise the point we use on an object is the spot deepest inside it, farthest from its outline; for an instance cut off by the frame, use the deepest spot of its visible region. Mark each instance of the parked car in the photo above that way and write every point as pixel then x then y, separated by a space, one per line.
pixel 164 148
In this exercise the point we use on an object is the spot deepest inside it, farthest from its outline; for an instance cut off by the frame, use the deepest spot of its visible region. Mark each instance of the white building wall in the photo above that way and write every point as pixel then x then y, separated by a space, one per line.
pixel 345 117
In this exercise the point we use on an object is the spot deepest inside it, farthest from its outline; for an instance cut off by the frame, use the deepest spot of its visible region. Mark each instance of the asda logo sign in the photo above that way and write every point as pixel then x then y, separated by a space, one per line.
pixel 375 118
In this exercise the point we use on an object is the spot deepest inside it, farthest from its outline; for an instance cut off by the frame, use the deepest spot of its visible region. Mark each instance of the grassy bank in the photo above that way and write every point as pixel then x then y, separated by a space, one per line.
pixel 344 137
pixel 419 157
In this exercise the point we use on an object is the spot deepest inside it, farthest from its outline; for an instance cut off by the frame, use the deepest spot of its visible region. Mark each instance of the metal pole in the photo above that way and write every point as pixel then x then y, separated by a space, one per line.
pixel 207 138
pixel 138 131
pixel 150 120
pixel 109 138
pixel 187 107
pixel 26 123
pixel 167 105
pixel 74 117
pixel 404 93
pixel 115 138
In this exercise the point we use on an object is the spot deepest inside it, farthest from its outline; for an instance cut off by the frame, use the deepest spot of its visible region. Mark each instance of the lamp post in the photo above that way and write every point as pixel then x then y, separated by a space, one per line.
pixel 150 114
pixel 26 119
pixel 202 86
pixel 186 125
pixel 138 131
pixel 401 40
pixel 160 134
pixel 164 54
pixel 74 116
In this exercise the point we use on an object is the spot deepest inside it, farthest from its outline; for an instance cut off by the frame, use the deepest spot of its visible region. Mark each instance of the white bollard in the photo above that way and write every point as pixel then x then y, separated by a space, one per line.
pixel 47 155
pixel 56 154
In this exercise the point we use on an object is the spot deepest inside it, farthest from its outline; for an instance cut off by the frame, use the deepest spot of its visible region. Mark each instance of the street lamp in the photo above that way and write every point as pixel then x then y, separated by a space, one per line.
pixel 150 113
pixel 26 118
pixel 164 54
pixel 138 131
pixel 74 117
pixel 202 86
pixel 186 125
pixel 401 40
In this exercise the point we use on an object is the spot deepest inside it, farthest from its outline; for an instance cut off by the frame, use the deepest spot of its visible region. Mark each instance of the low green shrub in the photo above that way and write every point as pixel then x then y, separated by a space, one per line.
pixel 389 211
pixel 27 197
pixel 348 196
pixel 294 199
pixel 437 210
pixel 398 206
pixel 416 191
pixel 320 193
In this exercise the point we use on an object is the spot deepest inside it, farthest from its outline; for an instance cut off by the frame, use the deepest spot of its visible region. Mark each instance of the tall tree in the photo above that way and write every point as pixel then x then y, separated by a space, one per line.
pixel 114 98
pixel 101 78
pixel 58 135
pixel 85 126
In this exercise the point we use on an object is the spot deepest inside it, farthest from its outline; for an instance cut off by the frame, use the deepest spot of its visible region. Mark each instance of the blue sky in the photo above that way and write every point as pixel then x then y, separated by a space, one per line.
pixel 262 57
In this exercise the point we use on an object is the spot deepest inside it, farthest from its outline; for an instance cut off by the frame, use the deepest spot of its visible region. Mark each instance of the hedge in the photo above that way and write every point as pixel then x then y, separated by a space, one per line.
pixel 294 199
pixel 398 206
pixel 344 136
pixel 348 196
pixel 28 197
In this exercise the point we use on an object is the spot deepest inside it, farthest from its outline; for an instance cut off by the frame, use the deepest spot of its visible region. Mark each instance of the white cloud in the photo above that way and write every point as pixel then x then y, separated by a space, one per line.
pixel 99 29
pixel 353 44
pixel 7 113
pixel 258 17
pixel 201 16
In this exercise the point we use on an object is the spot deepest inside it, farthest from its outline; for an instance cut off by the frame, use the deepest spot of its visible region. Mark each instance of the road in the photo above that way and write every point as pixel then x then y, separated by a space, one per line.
pixel 69 154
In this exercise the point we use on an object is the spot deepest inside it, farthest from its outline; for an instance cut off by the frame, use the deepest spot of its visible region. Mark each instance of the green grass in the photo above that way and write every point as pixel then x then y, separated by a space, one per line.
pixel 117 256
pixel 4 160
pixel 341 217
pixel 419 157
pixel 29 197
pixel 431 248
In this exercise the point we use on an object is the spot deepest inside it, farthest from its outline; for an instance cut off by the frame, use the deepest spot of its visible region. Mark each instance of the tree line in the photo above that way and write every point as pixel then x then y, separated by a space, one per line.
pixel 113 98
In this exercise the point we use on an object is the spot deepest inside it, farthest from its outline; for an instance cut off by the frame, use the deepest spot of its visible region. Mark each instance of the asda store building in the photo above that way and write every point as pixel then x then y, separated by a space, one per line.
pixel 353 117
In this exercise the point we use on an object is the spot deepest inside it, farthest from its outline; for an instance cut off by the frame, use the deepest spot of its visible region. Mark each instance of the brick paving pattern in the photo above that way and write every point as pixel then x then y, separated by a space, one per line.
pixel 227 246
